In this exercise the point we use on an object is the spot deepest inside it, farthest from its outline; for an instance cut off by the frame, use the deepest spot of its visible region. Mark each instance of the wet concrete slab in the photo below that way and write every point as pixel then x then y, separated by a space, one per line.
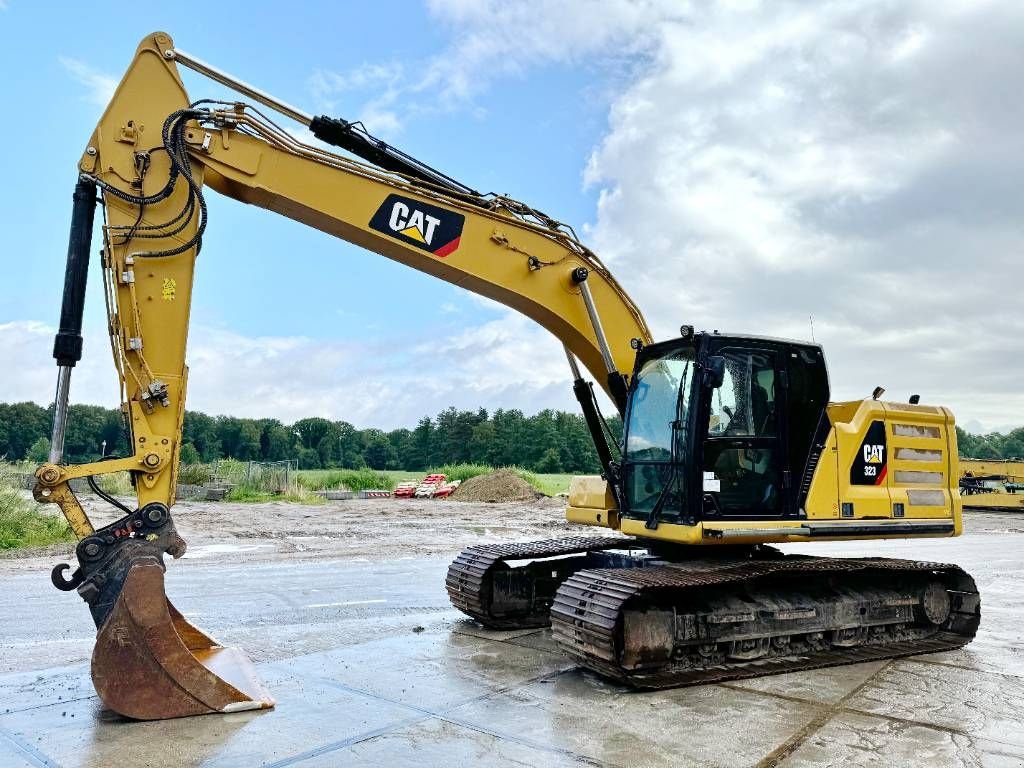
pixel 31 690
pixel 854 739
pixel 818 685
pixel 432 671
pixel 81 733
pixel 371 666
pixel 443 743
pixel 15 754
pixel 538 639
pixel 985 705
pixel 706 725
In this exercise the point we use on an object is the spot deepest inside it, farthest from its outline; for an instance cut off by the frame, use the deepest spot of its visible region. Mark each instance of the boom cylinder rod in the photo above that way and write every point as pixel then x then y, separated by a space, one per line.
pixel 579 276
pixel 573 365
pixel 67 346
pixel 254 93
pixel 616 380
pixel 60 414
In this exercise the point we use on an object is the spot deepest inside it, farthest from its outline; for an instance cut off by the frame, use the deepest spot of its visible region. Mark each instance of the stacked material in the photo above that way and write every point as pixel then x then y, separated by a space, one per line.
pixel 430 484
pixel 447 489
pixel 406 489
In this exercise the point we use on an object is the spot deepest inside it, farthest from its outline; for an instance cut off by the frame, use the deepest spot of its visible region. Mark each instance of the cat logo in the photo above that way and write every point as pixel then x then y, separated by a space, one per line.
pixel 869 463
pixel 874 454
pixel 427 227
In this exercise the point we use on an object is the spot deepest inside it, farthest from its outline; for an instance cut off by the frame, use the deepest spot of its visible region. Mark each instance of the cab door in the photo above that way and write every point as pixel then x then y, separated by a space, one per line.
pixel 744 472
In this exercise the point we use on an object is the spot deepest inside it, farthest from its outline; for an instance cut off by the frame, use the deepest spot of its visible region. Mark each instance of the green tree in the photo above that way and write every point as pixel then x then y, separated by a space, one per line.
pixel 350 445
pixel 481 444
pixel 276 440
pixel 328 449
pixel 378 453
pixel 189 454
pixel 308 458
pixel 311 431
pixel 509 432
pixel 21 424
pixel 201 430
pixel 401 443
pixel 550 462
pixel 421 445
pixel 39 451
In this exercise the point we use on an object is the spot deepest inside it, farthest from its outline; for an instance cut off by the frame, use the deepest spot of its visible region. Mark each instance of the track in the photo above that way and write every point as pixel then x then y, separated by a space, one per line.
pixel 481 583
pixel 649 622
pixel 592 607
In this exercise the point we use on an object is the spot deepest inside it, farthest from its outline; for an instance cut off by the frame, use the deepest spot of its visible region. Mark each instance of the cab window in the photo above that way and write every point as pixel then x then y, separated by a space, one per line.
pixel 655 405
pixel 744 406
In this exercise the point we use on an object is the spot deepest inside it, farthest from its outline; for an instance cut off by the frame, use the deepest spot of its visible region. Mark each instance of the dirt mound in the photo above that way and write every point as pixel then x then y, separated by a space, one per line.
pixel 502 485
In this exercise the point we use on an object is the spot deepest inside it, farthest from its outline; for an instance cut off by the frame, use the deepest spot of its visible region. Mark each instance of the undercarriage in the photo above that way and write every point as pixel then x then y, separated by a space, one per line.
pixel 657 617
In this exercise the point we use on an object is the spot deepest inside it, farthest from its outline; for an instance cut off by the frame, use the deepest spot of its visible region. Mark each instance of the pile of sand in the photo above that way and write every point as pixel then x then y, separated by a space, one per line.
pixel 500 486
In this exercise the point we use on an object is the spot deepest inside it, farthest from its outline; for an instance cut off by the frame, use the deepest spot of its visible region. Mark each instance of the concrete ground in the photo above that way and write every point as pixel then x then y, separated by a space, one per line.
pixel 371 666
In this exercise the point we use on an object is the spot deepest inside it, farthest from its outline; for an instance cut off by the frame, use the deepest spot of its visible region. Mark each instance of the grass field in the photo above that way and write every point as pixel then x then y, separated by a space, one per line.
pixel 22 522
pixel 358 480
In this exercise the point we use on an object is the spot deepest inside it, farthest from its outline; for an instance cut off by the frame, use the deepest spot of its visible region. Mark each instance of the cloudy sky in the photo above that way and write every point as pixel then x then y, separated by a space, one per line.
pixel 752 167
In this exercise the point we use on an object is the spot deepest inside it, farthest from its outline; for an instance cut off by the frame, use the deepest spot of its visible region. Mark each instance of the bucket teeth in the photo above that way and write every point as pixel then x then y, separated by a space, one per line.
pixel 149 663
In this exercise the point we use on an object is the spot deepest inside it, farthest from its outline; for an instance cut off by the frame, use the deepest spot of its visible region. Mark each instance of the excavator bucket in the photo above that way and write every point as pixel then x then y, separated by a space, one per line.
pixel 149 663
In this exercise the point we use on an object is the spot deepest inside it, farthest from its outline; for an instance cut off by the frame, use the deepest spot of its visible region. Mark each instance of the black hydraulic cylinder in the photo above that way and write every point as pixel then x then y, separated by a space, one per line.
pixel 67 346
pixel 619 389
pixel 343 134
pixel 585 395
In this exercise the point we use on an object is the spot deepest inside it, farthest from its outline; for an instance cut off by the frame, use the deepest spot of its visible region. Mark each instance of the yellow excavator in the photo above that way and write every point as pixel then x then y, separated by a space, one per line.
pixel 995 485
pixel 731 443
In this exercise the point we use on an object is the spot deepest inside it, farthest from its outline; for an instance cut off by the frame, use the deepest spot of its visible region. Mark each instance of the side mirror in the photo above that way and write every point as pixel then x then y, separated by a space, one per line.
pixel 714 372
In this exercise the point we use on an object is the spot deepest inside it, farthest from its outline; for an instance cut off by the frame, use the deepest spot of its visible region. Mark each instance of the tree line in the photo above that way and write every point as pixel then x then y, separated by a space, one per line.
pixel 993 445
pixel 549 441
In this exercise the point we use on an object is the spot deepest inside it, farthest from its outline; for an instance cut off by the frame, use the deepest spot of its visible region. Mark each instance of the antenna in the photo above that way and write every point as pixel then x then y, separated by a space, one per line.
pixel 811 318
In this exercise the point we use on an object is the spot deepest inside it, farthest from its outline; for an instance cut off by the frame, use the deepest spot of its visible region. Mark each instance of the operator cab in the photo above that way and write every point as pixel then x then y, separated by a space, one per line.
pixel 722 427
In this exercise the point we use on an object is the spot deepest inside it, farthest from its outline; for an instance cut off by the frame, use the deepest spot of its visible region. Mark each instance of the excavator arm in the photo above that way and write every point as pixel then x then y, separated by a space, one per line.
pixel 152 156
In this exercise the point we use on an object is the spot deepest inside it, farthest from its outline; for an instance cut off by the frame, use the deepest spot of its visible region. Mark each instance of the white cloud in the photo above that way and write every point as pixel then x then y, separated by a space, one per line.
pixel 379 110
pixel 764 162
pixel 506 363
pixel 494 39
pixel 857 162
pixel 99 86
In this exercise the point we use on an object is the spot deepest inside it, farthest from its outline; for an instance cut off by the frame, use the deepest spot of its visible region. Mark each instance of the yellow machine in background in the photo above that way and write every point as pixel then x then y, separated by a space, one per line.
pixel 730 441
pixel 992 484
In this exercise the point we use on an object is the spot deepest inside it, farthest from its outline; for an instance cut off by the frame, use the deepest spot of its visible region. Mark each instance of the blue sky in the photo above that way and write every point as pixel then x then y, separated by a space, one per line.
pixel 740 165
pixel 527 137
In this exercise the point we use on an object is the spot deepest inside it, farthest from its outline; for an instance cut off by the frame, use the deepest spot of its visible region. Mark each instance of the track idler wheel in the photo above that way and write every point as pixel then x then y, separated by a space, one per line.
pixel 149 663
